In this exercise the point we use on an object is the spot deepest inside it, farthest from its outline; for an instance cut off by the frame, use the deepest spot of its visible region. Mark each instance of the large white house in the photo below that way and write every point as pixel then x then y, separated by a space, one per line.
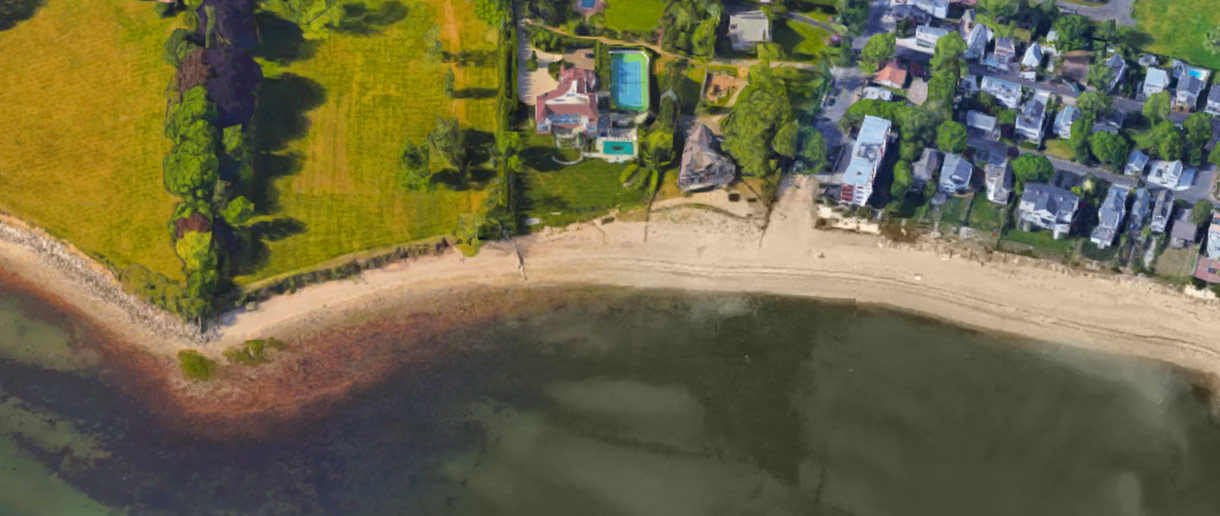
pixel 866 158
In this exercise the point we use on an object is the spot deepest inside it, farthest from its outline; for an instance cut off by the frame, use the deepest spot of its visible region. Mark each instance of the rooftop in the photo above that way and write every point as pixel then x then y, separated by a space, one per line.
pixel 868 152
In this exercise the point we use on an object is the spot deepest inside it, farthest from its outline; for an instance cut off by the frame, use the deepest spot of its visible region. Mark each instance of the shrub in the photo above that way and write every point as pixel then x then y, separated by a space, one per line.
pixel 253 352
pixel 195 366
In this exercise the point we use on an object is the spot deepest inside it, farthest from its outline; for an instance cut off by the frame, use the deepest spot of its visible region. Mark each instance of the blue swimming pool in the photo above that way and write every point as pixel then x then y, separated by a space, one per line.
pixel 1198 74
pixel 587 4
pixel 618 148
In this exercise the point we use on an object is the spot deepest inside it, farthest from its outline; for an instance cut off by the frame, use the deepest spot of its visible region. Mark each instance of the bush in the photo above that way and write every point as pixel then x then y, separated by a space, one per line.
pixel 253 352
pixel 195 366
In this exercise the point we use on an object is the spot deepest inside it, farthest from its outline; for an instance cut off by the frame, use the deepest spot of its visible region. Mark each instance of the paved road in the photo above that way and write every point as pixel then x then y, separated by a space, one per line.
pixel 1117 10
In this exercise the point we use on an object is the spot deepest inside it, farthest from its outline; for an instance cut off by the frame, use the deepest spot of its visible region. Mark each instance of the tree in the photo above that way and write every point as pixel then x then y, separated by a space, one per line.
pixel 1201 212
pixel 189 173
pixel 1110 149
pixel 703 40
pixel 194 107
pixel 853 14
pixel 315 17
pixel 1095 103
pixel 951 137
pixel 1082 128
pixel 762 108
pixel 1032 168
pixel 490 11
pixel 1001 8
pixel 195 249
pixel 879 47
pixel 448 83
pixel 1170 145
pixel 1198 128
pixel 447 142
pixel 238 211
pixel 180 43
pixel 1073 32
pixel 1106 30
pixel 948 53
pixel 915 124
pixel 942 88
pixel 1157 108
pixel 813 152
pixel 414 171
pixel 1100 76
pixel 1211 40
pixel 1214 157
pixel 785 140
pixel 903 179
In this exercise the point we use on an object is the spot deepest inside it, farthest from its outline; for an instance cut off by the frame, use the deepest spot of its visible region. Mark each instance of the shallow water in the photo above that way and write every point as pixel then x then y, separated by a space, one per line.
pixel 631 403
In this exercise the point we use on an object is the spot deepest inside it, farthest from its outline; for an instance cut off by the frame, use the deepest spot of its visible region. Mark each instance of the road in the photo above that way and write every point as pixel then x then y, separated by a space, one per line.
pixel 1117 10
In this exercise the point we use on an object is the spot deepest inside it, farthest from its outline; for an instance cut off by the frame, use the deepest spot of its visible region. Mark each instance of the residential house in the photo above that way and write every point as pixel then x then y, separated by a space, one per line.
pixel 1148 61
pixel 875 93
pixel 1116 63
pixel 866 158
pixel 1005 51
pixel 1213 100
pixel 1207 267
pixel 936 8
pixel 1064 120
pixel 1007 93
pixel 1047 207
pixel 1162 210
pixel 926 35
pixel 1110 216
pixel 1032 119
pixel 1141 208
pixel 998 177
pixel 892 75
pixel 967 22
pixel 976 42
pixel 924 170
pixel 1137 161
pixel 1156 81
pixel 570 109
pixel 748 29
pixel 1184 232
pixel 968 84
pixel 955 175
pixel 979 121
pixel 1168 174
pixel 1033 57
pixel 703 165
pixel 1189 90
pixel 907 12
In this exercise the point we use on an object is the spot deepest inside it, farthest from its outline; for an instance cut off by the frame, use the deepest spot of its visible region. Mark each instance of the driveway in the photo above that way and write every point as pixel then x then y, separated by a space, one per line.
pixel 1118 10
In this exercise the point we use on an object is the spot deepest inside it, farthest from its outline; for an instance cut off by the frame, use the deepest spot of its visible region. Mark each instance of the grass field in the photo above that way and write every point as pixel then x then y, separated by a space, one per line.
pixel 337 192
pixel 558 196
pixel 82 100
pixel 1177 28
pixel 801 40
pixel 634 15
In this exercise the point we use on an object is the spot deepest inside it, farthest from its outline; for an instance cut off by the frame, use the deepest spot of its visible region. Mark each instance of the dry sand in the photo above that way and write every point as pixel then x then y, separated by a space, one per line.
pixel 700 249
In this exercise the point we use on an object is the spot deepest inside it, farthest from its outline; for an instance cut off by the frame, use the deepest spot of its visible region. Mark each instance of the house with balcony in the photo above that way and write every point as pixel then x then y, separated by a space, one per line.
pixel 1110 216
pixel 955 175
pixel 998 178
pixel 866 157
pixel 1047 208
pixel 1155 81
pixel 1064 120
pixel 1032 119
pixel 1162 210
pixel 570 110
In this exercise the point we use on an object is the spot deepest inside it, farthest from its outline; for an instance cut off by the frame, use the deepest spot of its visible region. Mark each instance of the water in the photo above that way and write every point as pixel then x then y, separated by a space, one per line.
pixel 626 403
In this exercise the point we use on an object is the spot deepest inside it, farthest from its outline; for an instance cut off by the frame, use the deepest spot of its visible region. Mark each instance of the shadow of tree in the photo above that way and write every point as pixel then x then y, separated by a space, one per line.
pixel 251 252
pixel 358 19
pixel 280 115
pixel 281 40
pixel 14 11
pixel 539 158
pixel 474 93
pixel 470 57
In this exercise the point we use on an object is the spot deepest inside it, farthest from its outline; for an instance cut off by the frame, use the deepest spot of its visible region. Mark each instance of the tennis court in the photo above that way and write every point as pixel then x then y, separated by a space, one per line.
pixel 629 79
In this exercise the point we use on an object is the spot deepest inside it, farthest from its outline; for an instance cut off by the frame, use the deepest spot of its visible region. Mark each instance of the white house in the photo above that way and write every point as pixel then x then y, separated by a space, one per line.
pixel 1156 81
pixel 937 8
pixel 748 29
pixel 1007 93
pixel 866 158
pixel 1033 56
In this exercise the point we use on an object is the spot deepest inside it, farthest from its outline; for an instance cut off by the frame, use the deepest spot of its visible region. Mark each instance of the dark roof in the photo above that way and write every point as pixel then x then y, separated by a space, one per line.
pixel 1051 199
pixel 1183 228
pixel 1190 84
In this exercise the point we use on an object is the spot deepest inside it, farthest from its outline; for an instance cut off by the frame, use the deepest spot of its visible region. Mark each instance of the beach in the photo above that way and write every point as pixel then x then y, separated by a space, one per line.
pixel 689 248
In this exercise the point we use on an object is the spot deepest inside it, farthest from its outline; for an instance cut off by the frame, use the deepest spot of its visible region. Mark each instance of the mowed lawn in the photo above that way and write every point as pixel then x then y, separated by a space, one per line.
pixel 82 100
pixel 634 15
pixel 1178 26
pixel 801 40
pixel 376 90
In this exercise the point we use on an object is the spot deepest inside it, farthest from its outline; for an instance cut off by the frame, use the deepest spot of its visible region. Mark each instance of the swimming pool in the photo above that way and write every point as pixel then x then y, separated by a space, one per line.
pixel 618 148
pixel 587 4
pixel 1196 73
pixel 629 79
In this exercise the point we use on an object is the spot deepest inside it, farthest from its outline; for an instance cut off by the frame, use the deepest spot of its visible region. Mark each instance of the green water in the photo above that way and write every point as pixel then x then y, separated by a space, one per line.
pixel 634 403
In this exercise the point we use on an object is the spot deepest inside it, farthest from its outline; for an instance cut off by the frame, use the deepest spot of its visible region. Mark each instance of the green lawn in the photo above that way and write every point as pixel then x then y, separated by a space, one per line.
pixel 1042 240
pixel 559 195
pixel 801 40
pixel 986 216
pixel 82 97
pixel 1177 28
pixel 634 15
pixel 953 211
pixel 1059 148
pixel 335 157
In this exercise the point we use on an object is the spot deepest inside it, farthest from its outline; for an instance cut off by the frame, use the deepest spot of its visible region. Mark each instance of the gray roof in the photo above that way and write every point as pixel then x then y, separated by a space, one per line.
pixel 1032 115
pixel 1007 92
pixel 750 26
pixel 1190 85
pixel 1141 207
pixel 1214 96
pixel 1183 228
pixel 703 166
pixel 868 152
pixel 1065 118
pixel 1137 161
pixel 927 165
pixel 1157 77
pixel 1051 199
pixel 955 173
pixel 999 181
pixel 980 120
pixel 1005 45
pixel 1113 208
pixel 930 31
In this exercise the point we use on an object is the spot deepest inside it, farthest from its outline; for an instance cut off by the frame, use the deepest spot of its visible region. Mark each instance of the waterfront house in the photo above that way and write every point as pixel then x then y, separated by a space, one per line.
pixel 955 175
pixel 1162 210
pixel 1116 63
pixel 703 166
pixel 924 170
pixel 1168 174
pixel 1213 100
pixel 926 36
pixel 1064 120
pixel 866 158
pixel 1190 88
pixel 1156 81
pixel 1032 119
pixel 1141 208
pixel 1049 208
pixel 998 177
pixel 1007 93
pixel 1137 161
pixel 570 110
pixel 936 8
pixel 748 29
pixel 979 121
pixel 1110 216
pixel 1207 266
pixel 892 75
pixel 1184 233
pixel 1033 57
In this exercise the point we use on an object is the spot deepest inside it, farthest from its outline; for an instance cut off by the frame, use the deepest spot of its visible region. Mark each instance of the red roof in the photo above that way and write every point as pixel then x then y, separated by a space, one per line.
pixel 893 72
pixel 573 82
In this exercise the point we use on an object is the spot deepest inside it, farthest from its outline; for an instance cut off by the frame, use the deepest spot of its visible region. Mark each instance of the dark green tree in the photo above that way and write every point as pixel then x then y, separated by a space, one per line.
pixel 813 152
pixel 1110 149
pixel 1032 168
pixel 1158 106
pixel 951 137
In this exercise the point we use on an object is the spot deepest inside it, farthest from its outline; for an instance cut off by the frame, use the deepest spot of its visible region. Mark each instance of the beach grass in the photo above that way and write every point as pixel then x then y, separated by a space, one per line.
pixel 335 188
pixel 1177 28
pixel 83 101
pixel 634 15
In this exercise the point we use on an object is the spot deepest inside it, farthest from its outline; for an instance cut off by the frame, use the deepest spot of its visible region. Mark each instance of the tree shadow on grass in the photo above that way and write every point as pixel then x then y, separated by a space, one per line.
pixel 14 11
pixel 474 93
pixel 282 104
pixel 251 253
pixel 281 40
pixel 540 159
pixel 359 20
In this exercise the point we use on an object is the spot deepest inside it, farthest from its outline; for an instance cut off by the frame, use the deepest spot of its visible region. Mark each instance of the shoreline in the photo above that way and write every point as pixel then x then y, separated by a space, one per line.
pixel 679 249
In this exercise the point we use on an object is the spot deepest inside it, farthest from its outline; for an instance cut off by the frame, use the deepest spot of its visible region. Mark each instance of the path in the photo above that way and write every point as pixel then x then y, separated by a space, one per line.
pixel 1117 10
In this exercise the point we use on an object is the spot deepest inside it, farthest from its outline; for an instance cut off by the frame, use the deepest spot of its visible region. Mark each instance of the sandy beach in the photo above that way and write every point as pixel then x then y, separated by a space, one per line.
pixel 694 248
